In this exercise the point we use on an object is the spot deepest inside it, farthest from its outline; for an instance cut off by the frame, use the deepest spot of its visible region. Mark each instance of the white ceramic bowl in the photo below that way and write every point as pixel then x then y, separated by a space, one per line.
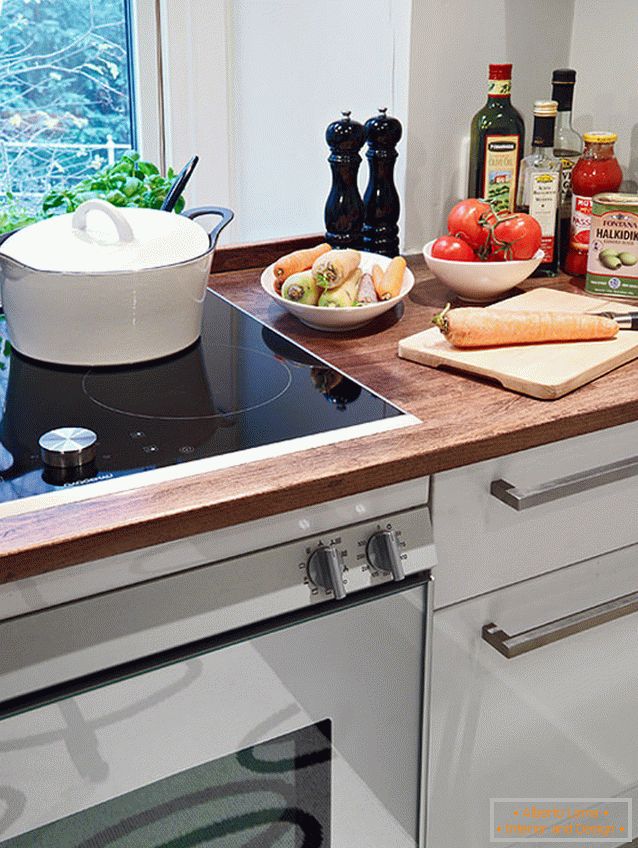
pixel 479 282
pixel 340 318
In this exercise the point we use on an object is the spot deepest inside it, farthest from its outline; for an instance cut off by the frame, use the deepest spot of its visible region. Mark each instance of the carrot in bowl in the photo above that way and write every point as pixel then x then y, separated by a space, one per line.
pixel 299 260
pixel 377 279
pixel 392 279
pixel 478 327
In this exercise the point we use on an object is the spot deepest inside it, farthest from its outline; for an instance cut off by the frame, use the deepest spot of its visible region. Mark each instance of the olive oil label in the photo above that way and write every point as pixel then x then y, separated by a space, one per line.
pixel 500 170
pixel 543 205
pixel 612 261
pixel 499 88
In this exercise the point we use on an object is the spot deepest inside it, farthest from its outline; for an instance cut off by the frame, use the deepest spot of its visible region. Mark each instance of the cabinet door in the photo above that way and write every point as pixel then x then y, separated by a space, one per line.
pixel 484 543
pixel 558 721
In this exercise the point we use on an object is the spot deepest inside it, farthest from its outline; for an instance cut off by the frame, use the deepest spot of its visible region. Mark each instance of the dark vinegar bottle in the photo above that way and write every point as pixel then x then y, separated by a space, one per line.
pixel 496 145
pixel 568 145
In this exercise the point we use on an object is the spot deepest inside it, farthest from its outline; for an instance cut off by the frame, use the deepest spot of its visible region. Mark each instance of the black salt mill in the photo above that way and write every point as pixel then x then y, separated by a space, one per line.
pixel 381 199
pixel 344 208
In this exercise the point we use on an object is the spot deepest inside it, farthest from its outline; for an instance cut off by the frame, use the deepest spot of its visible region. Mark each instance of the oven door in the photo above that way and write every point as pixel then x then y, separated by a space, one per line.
pixel 308 735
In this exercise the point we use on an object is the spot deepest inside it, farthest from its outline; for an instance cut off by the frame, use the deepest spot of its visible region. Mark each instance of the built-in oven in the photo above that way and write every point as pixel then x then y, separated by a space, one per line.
pixel 276 698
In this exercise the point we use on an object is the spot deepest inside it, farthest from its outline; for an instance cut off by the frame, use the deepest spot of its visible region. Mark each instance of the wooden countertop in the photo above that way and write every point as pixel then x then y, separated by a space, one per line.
pixel 464 420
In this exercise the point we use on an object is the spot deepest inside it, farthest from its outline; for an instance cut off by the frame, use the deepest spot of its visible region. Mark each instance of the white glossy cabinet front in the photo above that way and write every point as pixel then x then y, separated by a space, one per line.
pixel 483 544
pixel 559 721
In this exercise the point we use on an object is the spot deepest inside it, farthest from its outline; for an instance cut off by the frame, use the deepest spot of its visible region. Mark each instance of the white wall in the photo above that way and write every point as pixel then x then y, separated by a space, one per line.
pixel 254 84
pixel 453 41
pixel 195 91
pixel 295 64
pixel 605 54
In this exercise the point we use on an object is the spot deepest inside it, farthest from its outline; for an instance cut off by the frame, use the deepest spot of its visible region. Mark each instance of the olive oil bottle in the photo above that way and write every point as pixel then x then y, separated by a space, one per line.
pixel 496 145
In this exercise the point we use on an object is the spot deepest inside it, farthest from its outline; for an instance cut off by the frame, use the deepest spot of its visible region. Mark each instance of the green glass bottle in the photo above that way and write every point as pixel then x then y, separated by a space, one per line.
pixel 497 141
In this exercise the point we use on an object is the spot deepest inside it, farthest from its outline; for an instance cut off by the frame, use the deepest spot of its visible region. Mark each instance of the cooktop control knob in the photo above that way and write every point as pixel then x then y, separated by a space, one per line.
pixel 68 447
pixel 325 570
pixel 383 553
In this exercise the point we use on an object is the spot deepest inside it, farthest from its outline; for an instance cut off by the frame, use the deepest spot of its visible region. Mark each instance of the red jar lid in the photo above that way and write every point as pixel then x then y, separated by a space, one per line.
pixel 501 72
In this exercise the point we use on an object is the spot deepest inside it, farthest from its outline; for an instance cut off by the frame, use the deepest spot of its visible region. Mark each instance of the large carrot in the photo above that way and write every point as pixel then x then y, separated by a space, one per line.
pixel 299 260
pixel 478 327
pixel 392 279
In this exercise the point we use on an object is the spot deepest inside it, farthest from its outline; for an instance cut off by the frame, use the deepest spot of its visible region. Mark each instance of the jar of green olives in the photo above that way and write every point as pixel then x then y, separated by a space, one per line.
pixel 612 261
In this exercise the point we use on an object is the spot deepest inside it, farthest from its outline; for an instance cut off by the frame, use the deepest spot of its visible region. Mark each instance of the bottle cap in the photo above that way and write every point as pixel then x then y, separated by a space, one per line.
pixel 545 108
pixel 564 76
pixel 501 72
pixel 600 137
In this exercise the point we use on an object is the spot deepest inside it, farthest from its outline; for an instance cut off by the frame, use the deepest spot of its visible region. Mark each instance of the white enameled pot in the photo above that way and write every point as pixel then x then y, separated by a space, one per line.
pixel 107 286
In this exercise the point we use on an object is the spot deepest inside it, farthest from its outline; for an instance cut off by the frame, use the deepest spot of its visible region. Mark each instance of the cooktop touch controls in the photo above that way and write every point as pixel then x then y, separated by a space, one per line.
pixel 68 447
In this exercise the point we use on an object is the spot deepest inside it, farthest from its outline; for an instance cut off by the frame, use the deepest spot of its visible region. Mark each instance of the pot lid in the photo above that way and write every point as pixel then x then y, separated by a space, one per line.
pixel 114 240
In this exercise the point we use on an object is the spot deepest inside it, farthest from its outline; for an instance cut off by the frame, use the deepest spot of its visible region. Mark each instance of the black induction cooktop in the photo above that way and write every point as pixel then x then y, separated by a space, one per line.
pixel 240 386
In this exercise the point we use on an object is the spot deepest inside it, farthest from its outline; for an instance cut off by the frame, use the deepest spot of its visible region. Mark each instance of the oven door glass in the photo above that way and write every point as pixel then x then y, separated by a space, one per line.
pixel 273 795
pixel 309 736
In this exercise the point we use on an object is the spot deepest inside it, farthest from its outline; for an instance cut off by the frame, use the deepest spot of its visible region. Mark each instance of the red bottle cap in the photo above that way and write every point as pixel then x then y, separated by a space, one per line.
pixel 501 72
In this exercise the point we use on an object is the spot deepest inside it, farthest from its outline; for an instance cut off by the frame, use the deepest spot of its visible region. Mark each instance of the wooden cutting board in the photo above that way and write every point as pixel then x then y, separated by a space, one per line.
pixel 546 371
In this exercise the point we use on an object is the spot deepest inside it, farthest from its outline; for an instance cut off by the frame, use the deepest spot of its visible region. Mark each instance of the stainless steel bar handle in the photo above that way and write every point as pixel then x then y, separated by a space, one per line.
pixel 520 499
pixel 553 631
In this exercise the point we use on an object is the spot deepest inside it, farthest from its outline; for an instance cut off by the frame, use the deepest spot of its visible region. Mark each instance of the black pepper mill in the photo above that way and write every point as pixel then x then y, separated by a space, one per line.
pixel 381 199
pixel 344 207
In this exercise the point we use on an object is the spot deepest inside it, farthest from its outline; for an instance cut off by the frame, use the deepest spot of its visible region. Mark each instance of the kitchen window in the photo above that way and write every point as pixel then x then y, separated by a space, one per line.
pixel 248 86
pixel 66 89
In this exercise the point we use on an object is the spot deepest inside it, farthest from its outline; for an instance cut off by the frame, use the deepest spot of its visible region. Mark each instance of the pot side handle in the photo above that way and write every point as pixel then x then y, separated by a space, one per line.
pixel 226 216
pixel 78 222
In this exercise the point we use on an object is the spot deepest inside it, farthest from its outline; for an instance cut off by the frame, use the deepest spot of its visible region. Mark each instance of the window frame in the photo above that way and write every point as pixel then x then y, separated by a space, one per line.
pixel 147 88
pixel 182 95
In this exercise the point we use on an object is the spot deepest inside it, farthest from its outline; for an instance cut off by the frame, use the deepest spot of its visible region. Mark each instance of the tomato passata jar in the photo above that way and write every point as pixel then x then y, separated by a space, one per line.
pixel 596 171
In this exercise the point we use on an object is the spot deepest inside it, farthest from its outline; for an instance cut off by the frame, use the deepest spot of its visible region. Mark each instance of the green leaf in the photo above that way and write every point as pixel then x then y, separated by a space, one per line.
pixel 131 186
pixel 117 198
pixel 147 168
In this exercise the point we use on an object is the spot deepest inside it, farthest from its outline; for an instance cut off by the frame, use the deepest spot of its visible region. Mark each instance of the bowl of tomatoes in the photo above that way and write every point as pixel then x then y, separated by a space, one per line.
pixel 485 253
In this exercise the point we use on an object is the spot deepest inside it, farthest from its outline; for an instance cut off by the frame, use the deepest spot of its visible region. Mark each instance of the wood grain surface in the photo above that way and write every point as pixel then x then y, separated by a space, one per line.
pixel 546 371
pixel 464 420
pixel 236 257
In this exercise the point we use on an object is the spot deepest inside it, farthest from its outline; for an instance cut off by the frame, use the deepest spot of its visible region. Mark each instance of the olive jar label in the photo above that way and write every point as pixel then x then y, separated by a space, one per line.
pixel 612 261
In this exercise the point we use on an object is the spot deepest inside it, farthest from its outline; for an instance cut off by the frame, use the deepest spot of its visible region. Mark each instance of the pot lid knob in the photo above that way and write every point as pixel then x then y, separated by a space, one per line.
pixel 68 447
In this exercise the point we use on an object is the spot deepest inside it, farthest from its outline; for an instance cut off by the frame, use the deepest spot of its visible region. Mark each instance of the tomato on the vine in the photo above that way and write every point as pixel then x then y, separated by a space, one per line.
pixel 471 221
pixel 517 236
pixel 496 255
pixel 448 247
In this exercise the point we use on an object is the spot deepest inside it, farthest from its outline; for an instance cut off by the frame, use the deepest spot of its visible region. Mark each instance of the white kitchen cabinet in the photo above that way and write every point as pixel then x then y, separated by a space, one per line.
pixel 558 721
pixel 483 543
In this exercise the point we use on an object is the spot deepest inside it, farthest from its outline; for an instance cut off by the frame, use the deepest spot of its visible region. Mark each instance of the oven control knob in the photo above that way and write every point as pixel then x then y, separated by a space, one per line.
pixel 383 553
pixel 325 570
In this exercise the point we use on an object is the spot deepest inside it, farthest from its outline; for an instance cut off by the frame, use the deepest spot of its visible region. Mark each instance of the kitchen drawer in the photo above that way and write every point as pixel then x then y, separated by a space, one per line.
pixel 483 543
pixel 557 721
